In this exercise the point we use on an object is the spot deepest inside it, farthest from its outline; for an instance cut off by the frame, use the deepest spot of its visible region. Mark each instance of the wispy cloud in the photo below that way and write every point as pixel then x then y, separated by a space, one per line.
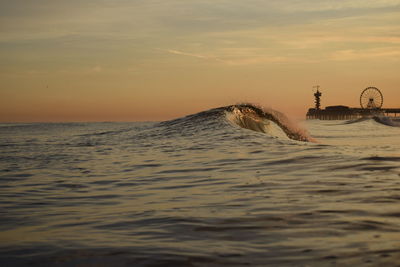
pixel 389 53
pixel 241 56
pixel 177 52
pixel 326 5
pixel 205 57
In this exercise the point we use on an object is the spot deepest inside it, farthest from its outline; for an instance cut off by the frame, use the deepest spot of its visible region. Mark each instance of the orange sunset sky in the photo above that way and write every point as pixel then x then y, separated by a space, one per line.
pixel 143 60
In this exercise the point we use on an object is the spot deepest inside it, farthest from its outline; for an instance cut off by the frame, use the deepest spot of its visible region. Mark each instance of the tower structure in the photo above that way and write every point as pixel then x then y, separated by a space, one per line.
pixel 317 96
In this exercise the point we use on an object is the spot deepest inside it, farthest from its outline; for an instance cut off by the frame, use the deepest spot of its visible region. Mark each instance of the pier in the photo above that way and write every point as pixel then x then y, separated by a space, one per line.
pixel 346 113
pixel 371 101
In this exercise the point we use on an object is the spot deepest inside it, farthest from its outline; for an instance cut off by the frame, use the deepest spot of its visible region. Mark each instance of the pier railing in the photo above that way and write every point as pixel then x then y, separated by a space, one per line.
pixel 346 113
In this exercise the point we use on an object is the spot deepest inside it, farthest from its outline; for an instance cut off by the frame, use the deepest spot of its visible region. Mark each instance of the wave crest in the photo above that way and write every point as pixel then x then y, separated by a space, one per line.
pixel 388 121
pixel 243 115
pixel 257 119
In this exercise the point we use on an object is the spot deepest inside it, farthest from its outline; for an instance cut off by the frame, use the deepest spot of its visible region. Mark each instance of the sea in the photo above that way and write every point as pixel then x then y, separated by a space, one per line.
pixel 238 185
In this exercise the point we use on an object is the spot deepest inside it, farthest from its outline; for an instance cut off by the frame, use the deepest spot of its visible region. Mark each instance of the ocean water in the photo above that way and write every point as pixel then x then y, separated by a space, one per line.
pixel 237 186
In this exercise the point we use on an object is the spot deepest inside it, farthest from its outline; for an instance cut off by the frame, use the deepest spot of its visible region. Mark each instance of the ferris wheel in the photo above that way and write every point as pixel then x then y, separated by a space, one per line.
pixel 371 98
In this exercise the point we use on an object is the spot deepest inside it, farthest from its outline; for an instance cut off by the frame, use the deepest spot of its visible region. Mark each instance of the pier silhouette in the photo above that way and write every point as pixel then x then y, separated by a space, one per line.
pixel 371 101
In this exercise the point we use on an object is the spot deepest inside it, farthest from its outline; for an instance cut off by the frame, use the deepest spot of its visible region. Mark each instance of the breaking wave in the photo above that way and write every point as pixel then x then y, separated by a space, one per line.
pixel 246 116
pixel 388 121
pixel 257 119
pixel 357 120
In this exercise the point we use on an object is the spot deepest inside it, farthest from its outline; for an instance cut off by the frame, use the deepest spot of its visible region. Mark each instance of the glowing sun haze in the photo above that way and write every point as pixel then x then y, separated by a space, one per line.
pixel 140 60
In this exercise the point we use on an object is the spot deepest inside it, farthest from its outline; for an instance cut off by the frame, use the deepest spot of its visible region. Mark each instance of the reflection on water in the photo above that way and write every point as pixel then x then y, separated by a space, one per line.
pixel 198 191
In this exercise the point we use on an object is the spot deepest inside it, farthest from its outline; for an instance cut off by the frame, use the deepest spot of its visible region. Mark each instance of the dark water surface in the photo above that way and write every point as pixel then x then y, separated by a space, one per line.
pixel 200 191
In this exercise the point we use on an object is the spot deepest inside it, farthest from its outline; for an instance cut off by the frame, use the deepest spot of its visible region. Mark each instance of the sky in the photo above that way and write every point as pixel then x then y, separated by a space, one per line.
pixel 151 60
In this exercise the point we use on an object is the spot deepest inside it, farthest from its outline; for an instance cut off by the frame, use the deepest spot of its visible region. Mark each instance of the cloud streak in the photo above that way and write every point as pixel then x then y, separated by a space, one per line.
pixel 392 54
pixel 240 57
pixel 200 56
